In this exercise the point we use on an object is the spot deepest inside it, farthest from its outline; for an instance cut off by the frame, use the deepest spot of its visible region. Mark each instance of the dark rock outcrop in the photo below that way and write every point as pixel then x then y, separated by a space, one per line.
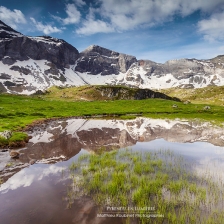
pixel 96 60
pixel 2 88
pixel 4 76
pixel 120 92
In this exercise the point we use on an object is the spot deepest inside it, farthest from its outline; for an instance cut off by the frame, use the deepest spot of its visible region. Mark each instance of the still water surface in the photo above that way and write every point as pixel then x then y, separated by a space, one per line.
pixel 35 193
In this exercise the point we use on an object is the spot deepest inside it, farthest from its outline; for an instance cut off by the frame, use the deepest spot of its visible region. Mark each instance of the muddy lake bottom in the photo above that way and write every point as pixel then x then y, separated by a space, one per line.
pixel 37 193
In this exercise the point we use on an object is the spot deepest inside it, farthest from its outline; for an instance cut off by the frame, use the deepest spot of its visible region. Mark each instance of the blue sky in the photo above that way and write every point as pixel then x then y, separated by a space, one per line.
pixel 158 30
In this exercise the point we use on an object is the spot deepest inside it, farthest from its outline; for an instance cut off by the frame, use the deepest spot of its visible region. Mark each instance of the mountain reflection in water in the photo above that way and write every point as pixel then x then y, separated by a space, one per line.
pixel 62 139
pixel 34 193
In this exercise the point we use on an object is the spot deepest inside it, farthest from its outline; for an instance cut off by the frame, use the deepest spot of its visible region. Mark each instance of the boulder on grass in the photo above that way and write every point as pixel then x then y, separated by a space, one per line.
pixel 6 134
pixel 175 106
pixel 207 108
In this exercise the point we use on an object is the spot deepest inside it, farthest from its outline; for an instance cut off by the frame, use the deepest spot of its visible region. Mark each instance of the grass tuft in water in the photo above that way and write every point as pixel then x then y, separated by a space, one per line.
pixel 153 179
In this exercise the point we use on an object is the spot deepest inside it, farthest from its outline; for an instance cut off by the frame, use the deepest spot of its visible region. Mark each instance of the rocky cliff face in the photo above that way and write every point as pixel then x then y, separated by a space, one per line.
pixel 97 60
pixel 15 46
pixel 29 64
pixel 47 48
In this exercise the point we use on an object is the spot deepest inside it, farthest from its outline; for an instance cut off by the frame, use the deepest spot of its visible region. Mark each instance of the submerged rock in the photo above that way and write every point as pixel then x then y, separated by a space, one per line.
pixel 14 154
pixel 32 161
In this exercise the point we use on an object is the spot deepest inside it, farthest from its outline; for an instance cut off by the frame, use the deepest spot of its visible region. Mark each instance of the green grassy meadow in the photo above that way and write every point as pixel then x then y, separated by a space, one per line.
pixel 18 111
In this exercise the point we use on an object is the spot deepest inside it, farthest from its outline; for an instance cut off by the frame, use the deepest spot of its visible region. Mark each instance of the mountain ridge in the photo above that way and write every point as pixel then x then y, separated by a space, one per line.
pixel 7 31
pixel 29 64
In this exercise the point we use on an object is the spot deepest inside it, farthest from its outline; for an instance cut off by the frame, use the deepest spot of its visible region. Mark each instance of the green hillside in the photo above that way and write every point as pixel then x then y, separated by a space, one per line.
pixel 210 95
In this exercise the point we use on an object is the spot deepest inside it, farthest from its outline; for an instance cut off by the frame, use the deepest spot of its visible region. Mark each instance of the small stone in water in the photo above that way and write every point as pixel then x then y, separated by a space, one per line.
pixel 14 154
pixel 32 161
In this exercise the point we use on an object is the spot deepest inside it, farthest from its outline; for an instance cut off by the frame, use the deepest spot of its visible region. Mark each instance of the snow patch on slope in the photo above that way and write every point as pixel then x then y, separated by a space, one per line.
pixel 36 79
pixel 40 77
pixel 53 41
pixel 137 76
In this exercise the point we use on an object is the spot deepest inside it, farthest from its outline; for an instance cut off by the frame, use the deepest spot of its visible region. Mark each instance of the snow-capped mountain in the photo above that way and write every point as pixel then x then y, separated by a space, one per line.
pixel 29 64
pixel 183 73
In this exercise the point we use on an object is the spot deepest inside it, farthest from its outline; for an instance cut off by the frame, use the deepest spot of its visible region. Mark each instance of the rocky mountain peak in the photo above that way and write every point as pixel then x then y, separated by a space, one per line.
pixel 32 63
pixel 29 64
pixel 7 32
pixel 98 50
pixel 99 60
pixel 21 48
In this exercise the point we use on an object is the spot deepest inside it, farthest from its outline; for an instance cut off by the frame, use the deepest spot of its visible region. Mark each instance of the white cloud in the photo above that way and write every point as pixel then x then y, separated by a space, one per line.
pixel 73 15
pixel 190 6
pixel 91 26
pixel 46 29
pixel 26 177
pixel 12 18
pixel 79 3
pixel 20 179
pixel 118 16
pixel 130 14
pixel 126 15
pixel 212 28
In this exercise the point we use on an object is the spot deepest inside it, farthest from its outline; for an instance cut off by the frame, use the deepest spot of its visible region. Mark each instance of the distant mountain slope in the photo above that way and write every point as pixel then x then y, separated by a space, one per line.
pixel 184 73
pixel 29 64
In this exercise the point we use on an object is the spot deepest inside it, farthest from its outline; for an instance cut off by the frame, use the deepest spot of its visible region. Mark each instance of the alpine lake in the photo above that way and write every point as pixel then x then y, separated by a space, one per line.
pixel 115 171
